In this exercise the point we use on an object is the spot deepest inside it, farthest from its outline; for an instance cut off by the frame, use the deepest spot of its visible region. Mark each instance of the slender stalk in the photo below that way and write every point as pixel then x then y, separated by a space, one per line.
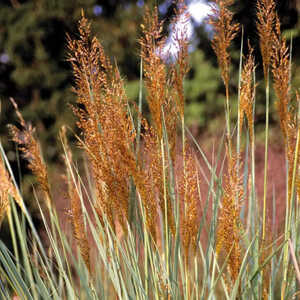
pixel 296 266
pixel 186 266
pixel 14 240
pixel 184 200
pixel 196 278
pixel 289 210
pixel 251 208
pixel 252 198
pixel 166 211
pixel 138 134
pixel 146 245
pixel 227 115
pixel 183 160
pixel 24 250
pixel 266 154
pixel 212 280
pixel 238 142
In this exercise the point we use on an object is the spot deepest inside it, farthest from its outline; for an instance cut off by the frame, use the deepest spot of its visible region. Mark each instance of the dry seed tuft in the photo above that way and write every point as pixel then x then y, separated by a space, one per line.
pixel 155 72
pixel 281 69
pixel 247 92
pixel 108 133
pixel 225 31
pixel 190 200
pixel 7 188
pixel 32 153
pixel 228 231
pixel 266 17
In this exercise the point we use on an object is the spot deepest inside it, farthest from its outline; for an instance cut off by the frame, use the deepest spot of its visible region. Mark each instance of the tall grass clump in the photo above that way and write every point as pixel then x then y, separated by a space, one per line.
pixel 141 225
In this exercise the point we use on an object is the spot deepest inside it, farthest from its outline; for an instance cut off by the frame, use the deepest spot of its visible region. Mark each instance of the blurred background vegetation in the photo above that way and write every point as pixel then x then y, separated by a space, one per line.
pixel 34 70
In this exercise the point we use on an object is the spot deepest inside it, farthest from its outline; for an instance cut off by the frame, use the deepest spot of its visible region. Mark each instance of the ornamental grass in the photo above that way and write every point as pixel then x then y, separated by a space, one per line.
pixel 141 227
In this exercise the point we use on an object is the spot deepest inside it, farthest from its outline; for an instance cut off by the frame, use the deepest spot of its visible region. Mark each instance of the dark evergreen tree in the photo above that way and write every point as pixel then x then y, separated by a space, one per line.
pixel 33 67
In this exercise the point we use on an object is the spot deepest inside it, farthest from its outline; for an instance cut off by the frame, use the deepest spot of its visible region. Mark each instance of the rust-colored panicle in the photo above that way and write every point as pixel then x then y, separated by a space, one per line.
pixel 281 75
pixel 144 187
pixel 164 87
pixel 79 231
pixel 7 188
pixel 247 92
pixel 155 173
pixel 108 132
pixel 228 232
pixel 180 67
pixel 190 201
pixel 155 72
pixel 266 16
pixel 32 153
pixel 170 114
pixel 143 180
pixel 225 30
pixel 281 69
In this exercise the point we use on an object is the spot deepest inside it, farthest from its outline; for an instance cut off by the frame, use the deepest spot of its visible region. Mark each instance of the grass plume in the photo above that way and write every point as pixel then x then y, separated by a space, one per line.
pixel 7 188
pixel 225 30
pixel 247 93
pixel 32 153
pixel 229 232
pixel 266 17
